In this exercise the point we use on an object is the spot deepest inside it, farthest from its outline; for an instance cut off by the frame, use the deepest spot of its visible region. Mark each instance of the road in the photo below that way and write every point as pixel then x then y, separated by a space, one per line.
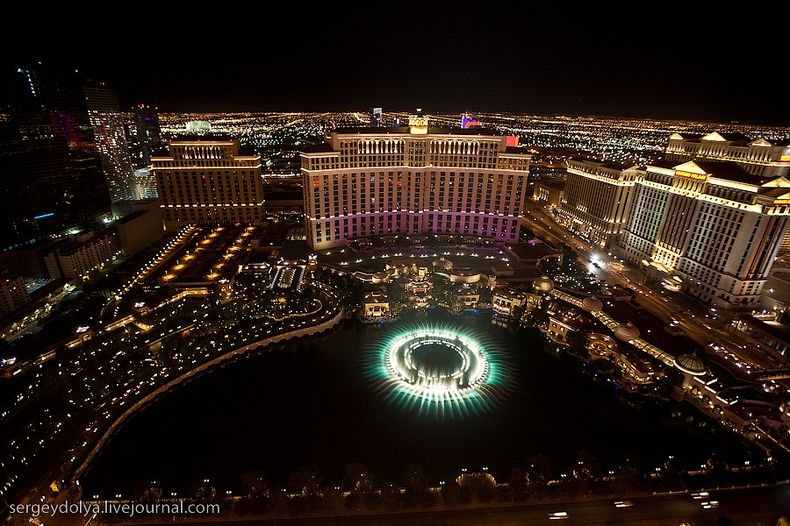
pixel 700 329
pixel 751 506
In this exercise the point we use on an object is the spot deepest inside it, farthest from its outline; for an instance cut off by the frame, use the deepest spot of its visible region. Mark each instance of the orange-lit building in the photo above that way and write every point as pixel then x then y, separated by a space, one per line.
pixel 207 181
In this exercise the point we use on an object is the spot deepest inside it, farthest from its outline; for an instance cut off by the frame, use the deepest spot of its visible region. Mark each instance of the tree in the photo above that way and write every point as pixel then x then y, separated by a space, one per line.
pixel 147 491
pixel 540 470
pixel 517 482
pixel 306 480
pixel 587 465
pixel 203 490
pixel 417 487
pixel 359 478
pixel 254 485
pixel 415 478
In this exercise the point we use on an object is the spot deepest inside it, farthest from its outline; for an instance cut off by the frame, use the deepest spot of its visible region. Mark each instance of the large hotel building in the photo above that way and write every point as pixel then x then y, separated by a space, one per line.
pixel 597 199
pixel 711 216
pixel 207 181
pixel 712 224
pixel 415 179
pixel 757 157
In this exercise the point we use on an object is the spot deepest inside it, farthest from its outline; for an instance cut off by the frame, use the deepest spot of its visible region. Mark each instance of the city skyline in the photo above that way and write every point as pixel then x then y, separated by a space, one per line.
pixel 466 263
pixel 520 60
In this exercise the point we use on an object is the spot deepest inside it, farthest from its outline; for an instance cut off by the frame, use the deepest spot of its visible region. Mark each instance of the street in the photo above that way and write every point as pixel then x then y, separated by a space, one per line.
pixel 760 505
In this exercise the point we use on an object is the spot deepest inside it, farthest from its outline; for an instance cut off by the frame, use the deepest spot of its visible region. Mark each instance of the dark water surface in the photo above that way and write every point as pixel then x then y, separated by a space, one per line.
pixel 314 402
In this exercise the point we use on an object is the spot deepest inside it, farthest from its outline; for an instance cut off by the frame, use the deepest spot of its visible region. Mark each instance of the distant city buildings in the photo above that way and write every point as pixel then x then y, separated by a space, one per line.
pixel 110 139
pixel 508 302
pixel 376 305
pixel 207 181
pixel 198 127
pixel 144 185
pixel 140 225
pixel 758 157
pixel 376 116
pixel 413 179
pixel 596 199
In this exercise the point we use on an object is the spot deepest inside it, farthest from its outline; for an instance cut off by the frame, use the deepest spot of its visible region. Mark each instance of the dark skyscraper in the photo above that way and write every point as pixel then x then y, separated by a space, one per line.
pixel 52 179
pixel 144 135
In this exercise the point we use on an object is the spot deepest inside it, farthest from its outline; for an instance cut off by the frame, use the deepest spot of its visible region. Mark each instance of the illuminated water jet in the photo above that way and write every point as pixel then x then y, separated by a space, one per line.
pixel 440 369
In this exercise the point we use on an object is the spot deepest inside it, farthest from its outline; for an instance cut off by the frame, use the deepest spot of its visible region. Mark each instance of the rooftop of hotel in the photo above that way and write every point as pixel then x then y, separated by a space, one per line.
pixel 735 139
pixel 721 169
pixel 602 164
pixel 404 130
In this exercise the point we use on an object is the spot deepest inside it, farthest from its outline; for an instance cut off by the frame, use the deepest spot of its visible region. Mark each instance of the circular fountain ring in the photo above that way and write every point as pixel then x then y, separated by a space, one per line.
pixel 436 362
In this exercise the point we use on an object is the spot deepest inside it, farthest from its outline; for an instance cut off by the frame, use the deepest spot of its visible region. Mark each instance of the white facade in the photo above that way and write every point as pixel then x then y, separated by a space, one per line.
pixel 757 157
pixel 82 256
pixel 712 224
pixel 13 293
pixel 597 198
pixel 371 182
pixel 504 301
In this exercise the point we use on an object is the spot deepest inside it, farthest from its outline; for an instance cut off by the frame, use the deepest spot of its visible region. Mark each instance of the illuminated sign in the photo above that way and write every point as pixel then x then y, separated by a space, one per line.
pixel 691 175
pixel 43 216
pixel 468 122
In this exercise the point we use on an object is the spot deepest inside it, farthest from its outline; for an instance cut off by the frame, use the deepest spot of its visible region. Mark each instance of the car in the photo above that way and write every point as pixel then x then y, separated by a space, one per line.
pixel 558 515
pixel 623 504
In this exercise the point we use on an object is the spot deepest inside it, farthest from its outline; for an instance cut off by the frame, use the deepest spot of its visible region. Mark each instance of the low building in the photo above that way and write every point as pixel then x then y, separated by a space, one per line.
pixel 549 193
pixel 140 229
pixel 601 346
pixel 561 326
pixel 13 293
pixel 376 305
pixel 418 286
pixel 507 302
pixel 81 255
pixel 636 369
pixel 466 297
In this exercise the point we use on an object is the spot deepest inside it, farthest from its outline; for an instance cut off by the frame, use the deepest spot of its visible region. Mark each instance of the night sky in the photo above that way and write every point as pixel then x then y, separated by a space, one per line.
pixel 448 56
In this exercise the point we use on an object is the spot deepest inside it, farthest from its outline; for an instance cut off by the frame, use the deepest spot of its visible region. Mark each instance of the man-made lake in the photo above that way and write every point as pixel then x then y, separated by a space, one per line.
pixel 315 402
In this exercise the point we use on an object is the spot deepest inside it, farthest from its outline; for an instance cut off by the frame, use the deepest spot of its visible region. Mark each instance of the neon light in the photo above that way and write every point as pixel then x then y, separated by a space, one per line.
pixel 42 216
pixel 468 122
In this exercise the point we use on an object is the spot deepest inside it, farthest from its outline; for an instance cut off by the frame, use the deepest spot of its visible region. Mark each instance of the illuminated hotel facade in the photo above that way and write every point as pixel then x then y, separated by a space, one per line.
pixel 597 199
pixel 415 179
pixel 757 157
pixel 207 181
pixel 711 224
